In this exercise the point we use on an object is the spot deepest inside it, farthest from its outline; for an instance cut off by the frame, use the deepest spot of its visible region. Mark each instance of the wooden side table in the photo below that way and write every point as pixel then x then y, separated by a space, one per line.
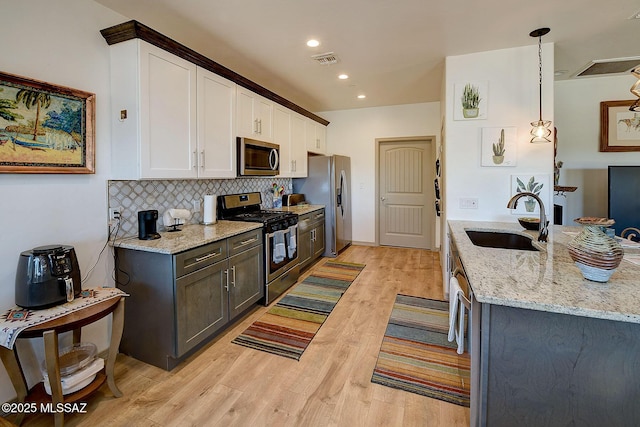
pixel 73 321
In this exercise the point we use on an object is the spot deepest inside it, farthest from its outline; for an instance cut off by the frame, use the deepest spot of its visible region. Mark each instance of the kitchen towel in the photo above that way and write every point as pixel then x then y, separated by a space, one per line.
pixel 209 209
pixel 279 249
pixel 456 312
pixel 291 243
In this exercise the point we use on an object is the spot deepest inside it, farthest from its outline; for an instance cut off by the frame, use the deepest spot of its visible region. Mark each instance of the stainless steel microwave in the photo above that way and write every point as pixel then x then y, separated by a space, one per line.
pixel 258 158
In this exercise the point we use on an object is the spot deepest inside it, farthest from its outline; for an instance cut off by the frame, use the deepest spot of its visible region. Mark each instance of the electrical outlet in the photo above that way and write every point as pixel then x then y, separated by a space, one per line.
pixel 196 205
pixel 115 213
pixel 468 203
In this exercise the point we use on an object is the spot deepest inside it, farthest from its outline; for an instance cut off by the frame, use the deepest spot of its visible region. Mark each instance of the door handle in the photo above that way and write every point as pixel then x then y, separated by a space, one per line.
pixel 382 198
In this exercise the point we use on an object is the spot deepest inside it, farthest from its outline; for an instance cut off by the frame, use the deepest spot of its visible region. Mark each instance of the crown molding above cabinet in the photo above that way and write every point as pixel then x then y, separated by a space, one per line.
pixel 135 30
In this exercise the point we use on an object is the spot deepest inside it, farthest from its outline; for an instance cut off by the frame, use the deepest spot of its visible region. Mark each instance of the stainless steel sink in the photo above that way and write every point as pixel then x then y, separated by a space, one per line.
pixel 501 240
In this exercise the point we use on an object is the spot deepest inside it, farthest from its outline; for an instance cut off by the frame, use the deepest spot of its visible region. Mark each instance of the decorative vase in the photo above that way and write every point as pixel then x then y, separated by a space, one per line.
pixel 498 159
pixel 596 254
pixel 470 113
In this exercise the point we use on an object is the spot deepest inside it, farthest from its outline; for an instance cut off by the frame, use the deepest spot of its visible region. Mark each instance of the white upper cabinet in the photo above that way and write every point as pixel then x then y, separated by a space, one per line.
pixel 254 117
pixel 316 137
pixel 216 126
pixel 171 119
pixel 289 133
pixel 298 146
pixel 153 113
pixel 282 137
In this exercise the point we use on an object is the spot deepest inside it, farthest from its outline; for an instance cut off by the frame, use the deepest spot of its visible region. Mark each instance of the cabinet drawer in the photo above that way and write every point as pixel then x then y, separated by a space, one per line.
pixel 317 217
pixel 304 222
pixel 245 241
pixel 200 257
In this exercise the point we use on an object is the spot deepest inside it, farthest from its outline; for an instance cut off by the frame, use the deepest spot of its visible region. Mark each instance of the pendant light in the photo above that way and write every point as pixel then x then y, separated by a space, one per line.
pixel 540 131
pixel 635 89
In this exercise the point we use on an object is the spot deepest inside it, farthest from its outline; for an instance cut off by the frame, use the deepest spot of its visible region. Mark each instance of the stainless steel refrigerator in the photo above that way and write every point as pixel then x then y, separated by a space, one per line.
pixel 328 184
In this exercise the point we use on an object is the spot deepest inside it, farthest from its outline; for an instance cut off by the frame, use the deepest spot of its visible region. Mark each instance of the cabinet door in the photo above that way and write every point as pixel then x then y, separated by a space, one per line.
pixel 167 114
pixel 304 248
pixel 247 281
pixel 316 137
pixel 282 137
pixel 254 115
pixel 298 147
pixel 216 126
pixel 264 113
pixel 201 305
pixel 318 243
pixel 246 125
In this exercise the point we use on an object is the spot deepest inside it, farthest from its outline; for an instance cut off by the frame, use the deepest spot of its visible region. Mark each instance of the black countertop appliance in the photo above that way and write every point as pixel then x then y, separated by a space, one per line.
pixel 147 229
pixel 47 276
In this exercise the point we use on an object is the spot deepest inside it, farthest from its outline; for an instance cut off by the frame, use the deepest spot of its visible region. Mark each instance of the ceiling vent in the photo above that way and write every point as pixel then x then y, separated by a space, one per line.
pixel 325 58
pixel 609 67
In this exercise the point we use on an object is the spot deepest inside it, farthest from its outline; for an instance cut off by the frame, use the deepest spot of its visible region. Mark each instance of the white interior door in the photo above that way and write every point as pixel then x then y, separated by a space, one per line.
pixel 406 199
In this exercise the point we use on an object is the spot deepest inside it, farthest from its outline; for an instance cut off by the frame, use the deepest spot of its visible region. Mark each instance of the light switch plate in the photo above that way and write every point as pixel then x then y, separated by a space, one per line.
pixel 468 203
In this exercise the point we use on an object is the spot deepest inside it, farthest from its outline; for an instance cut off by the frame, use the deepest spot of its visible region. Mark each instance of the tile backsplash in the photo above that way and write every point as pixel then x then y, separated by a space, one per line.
pixel 134 196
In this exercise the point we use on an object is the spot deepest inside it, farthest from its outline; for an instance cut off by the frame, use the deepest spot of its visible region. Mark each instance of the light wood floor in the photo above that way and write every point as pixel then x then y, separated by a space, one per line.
pixel 225 384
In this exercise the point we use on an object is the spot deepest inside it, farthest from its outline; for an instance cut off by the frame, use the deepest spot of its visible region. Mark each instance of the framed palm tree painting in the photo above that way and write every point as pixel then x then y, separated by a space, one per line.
pixel 45 128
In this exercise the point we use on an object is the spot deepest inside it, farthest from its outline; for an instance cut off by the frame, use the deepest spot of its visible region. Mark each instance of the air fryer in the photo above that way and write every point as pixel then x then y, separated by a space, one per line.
pixel 47 276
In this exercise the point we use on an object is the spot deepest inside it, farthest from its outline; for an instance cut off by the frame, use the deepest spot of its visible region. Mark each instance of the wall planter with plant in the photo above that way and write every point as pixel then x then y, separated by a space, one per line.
pixel 470 100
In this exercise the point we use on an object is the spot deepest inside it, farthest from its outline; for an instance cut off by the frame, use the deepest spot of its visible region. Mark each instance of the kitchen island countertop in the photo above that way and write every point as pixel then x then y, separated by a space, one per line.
pixel 191 236
pixel 547 280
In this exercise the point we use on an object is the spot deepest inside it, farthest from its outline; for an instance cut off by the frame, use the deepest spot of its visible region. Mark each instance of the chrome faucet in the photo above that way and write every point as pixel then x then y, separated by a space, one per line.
pixel 513 202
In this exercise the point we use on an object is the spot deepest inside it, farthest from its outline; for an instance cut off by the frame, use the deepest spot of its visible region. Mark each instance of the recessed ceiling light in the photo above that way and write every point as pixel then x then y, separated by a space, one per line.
pixel 343 76
pixel 362 96
pixel 313 43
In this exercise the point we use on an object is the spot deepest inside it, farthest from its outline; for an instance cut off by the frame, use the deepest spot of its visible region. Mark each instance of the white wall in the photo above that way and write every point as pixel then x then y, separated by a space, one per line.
pixel 577 114
pixel 57 42
pixel 354 132
pixel 512 76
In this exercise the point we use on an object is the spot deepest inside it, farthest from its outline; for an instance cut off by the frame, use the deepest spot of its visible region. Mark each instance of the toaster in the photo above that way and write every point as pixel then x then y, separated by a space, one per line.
pixel 292 199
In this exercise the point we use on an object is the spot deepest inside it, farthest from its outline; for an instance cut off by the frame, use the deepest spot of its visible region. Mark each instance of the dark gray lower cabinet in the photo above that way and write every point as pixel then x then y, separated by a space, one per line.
pixel 311 237
pixel 178 302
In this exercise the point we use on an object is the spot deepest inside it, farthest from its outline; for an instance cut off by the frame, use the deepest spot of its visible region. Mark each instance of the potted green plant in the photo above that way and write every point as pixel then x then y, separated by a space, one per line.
pixel 531 187
pixel 498 149
pixel 470 101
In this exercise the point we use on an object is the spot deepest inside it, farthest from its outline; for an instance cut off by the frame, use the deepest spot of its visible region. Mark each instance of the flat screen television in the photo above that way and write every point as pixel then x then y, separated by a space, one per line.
pixel 624 197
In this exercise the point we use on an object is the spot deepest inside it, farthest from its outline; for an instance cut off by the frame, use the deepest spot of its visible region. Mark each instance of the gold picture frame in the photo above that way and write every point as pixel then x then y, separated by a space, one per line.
pixel 619 127
pixel 45 128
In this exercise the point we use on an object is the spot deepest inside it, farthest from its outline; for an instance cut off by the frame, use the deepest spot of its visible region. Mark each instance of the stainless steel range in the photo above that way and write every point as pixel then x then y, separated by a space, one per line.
pixel 280 239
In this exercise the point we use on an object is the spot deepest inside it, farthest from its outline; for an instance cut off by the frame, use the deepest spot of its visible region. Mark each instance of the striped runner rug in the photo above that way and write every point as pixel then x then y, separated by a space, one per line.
pixel 416 356
pixel 289 326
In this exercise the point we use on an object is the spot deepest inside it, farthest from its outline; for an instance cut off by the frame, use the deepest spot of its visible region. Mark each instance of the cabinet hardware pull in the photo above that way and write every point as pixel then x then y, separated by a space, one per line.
pixel 207 256
pixel 233 281
pixel 260 126
pixel 202 160
pixel 246 242
pixel 195 159
pixel 226 286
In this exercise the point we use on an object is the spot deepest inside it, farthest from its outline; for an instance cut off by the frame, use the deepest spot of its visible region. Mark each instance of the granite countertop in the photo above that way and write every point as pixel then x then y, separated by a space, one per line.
pixel 300 209
pixel 191 236
pixel 547 280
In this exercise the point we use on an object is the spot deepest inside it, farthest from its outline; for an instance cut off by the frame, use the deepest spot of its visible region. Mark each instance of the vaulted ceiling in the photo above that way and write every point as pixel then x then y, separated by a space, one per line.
pixel 392 50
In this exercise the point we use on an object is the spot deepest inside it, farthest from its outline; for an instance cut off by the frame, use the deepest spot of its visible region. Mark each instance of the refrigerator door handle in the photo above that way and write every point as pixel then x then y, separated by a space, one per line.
pixel 343 179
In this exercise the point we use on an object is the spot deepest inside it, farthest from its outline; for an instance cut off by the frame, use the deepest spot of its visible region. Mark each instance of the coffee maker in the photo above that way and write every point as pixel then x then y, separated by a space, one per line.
pixel 47 276
pixel 147 225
